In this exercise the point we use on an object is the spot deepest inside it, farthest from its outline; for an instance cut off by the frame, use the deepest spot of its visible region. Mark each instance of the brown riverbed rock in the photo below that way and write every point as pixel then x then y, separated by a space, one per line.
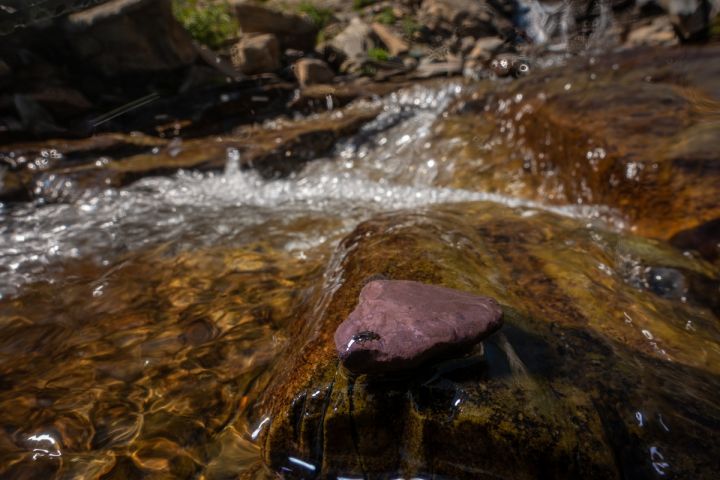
pixel 112 160
pixel 312 71
pixel 637 131
pixel 399 325
pixel 587 369
pixel 257 53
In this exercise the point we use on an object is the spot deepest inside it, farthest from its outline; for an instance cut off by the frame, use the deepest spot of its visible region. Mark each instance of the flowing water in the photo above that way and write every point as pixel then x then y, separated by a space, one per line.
pixel 136 322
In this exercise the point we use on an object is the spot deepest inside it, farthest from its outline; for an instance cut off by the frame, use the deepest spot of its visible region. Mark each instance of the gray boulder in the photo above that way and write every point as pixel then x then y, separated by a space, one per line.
pixel 352 44
pixel 129 37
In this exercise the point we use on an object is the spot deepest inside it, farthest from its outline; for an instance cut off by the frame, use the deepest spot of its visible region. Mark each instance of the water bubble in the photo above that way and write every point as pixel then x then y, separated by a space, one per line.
pixel 302 463
pixel 254 435
pixel 666 282
pixel 640 419
pixel 658 461
pixel 44 445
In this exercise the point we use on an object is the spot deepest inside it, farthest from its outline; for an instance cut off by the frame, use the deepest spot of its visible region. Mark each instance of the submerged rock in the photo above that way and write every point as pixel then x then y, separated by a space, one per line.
pixel 399 325
pixel 585 377
pixel 113 160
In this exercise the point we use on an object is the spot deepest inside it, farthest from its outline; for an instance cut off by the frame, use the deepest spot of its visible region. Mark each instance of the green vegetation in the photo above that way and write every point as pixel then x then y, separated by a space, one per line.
pixel 715 28
pixel 209 22
pixel 386 16
pixel 368 70
pixel 320 16
pixel 379 54
pixel 409 27
pixel 360 4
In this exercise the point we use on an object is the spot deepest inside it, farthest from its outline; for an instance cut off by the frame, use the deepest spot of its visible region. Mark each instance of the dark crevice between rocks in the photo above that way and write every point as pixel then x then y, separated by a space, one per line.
pixel 354 432
pixel 704 239
pixel 614 429
pixel 318 450
pixel 298 412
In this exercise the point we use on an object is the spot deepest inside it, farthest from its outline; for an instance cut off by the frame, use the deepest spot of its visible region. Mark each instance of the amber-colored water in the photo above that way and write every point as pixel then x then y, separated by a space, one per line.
pixel 136 324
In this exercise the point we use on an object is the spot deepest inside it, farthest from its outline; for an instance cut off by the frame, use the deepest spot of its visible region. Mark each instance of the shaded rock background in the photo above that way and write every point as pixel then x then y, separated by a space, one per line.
pixel 102 55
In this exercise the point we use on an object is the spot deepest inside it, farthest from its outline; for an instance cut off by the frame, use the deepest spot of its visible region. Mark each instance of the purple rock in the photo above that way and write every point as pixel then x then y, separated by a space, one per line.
pixel 399 325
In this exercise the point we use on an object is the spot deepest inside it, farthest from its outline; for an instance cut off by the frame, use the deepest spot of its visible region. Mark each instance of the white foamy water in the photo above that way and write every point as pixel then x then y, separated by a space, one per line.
pixel 386 166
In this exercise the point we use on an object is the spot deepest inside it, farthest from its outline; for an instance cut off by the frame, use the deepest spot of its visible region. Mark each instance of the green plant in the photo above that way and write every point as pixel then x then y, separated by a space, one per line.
pixel 386 16
pixel 360 4
pixel 318 15
pixel 379 54
pixel 368 70
pixel 715 27
pixel 409 27
pixel 209 22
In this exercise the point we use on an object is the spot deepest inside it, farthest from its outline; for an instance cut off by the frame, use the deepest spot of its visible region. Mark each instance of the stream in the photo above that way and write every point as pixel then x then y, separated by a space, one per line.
pixel 144 329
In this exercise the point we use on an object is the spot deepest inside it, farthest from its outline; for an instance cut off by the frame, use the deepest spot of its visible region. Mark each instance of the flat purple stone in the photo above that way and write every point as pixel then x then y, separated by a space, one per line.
pixel 399 325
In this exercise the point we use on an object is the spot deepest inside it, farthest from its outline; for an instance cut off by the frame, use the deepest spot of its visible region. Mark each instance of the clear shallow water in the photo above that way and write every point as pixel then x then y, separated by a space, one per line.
pixel 389 165
pixel 137 324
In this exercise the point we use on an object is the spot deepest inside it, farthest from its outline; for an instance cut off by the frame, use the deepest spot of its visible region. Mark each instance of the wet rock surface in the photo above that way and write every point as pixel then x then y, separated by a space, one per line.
pixel 578 383
pixel 630 131
pixel 73 167
pixel 399 325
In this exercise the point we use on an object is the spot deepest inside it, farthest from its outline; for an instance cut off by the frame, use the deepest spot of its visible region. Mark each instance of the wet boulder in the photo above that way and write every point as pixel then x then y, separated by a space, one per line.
pixel 123 37
pixel 119 159
pixel 399 325
pixel 635 131
pixel 587 374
